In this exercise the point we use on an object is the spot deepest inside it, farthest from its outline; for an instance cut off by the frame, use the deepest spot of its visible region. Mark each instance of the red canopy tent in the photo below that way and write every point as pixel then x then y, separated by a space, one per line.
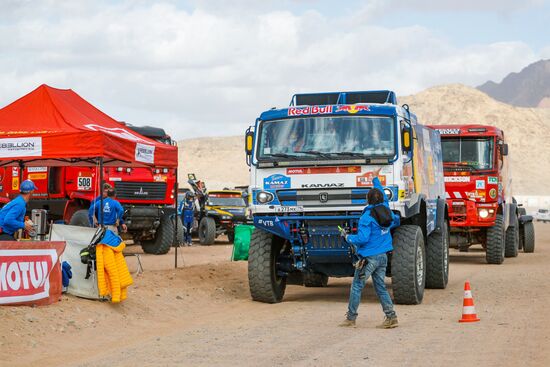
pixel 57 127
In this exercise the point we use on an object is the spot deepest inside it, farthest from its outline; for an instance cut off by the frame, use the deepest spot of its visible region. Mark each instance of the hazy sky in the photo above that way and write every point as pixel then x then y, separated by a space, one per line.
pixel 203 68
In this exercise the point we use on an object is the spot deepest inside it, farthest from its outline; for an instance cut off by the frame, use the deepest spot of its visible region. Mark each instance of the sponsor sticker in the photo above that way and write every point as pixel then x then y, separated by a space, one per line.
pixel 160 178
pixel 15 172
pixel 145 153
pixel 21 147
pixel 457 178
pixel 322 170
pixel 480 184
pixel 38 176
pixel 366 179
pixel 37 169
pixel 449 131
pixel 310 110
pixel 493 193
pixel 15 183
pixel 352 108
pixel 492 180
pixel 25 274
pixel 277 181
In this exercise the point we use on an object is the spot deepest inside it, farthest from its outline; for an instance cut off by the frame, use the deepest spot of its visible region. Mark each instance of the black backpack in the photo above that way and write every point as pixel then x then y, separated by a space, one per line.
pixel 382 215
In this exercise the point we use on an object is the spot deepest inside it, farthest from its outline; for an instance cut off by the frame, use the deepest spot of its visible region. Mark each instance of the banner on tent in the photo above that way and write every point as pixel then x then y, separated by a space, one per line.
pixel 21 147
pixel 30 272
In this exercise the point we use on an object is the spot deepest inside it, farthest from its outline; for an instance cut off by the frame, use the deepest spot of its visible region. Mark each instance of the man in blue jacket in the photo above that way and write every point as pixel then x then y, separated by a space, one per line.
pixel 112 212
pixel 187 211
pixel 12 215
pixel 371 243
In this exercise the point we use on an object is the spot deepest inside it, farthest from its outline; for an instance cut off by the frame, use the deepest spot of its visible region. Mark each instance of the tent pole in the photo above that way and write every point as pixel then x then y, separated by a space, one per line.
pixel 176 242
pixel 101 191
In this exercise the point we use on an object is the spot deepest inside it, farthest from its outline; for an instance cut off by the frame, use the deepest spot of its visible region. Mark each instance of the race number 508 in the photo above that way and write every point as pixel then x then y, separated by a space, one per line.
pixel 84 183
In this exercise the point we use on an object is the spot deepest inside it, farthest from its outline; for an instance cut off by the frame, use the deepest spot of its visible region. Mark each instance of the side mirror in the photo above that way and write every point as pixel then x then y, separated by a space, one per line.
pixel 504 149
pixel 249 143
pixel 406 137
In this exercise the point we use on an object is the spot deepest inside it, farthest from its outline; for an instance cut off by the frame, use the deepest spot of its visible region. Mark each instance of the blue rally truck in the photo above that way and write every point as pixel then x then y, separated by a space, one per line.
pixel 311 166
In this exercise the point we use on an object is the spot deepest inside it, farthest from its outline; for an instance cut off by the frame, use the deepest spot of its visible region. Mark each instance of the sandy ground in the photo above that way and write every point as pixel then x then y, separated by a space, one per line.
pixel 201 315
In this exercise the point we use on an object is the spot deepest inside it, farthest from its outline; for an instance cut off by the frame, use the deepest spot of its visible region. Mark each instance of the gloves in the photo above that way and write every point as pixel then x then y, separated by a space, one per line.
pixel 343 233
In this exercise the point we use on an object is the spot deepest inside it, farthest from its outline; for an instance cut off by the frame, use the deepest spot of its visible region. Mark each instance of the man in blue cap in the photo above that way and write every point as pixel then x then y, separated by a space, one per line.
pixel 12 215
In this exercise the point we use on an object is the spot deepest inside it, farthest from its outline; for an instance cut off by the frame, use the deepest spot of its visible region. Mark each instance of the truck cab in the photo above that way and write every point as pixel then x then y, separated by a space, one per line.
pixel 311 167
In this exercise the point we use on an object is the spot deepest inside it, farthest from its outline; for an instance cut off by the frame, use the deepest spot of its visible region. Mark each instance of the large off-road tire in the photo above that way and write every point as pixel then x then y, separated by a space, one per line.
pixel 80 218
pixel 512 237
pixel 408 265
pixel 207 231
pixel 264 282
pixel 315 279
pixel 528 237
pixel 495 242
pixel 437 258
pixel 164 237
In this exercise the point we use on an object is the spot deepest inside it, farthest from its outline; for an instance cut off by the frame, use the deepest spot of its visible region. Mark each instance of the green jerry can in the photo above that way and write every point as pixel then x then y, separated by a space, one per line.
pixel 241 244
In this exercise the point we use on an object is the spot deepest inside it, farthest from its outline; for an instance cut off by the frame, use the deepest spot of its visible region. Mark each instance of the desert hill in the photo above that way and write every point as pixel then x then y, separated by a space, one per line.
pixel 220 161
pixel 528 88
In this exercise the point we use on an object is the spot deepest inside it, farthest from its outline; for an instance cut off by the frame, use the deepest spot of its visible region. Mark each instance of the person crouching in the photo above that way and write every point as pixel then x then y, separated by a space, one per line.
pixel 372 241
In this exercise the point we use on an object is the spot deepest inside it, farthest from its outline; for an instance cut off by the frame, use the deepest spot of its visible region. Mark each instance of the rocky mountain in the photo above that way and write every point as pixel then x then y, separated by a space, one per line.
pixel 220 161
pixel 528 88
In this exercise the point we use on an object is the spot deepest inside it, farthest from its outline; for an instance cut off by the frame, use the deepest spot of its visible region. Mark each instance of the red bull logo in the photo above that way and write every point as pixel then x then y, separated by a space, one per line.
pixel 352 108
pixel 309 110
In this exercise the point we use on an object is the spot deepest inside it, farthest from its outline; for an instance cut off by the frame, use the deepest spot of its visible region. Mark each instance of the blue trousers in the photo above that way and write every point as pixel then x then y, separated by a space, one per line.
pixel 375 267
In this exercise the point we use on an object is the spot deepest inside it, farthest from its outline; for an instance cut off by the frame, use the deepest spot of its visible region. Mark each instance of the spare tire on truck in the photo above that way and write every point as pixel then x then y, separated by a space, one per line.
pixel 408 265
pixel 164 237
pixel 528 237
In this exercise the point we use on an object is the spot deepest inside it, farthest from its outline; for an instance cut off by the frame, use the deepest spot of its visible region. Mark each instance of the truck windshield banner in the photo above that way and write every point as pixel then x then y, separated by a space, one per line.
pixel 21 147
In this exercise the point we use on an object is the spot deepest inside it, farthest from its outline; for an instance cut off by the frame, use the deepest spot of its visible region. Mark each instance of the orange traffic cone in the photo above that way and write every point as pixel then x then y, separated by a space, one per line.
pixel 468 308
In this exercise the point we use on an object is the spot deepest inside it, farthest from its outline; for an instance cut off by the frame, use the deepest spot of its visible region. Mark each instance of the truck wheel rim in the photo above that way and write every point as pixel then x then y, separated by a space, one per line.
pixel 419 266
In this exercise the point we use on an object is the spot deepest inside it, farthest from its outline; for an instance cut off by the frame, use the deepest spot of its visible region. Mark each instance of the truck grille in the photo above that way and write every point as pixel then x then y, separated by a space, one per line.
pixel 323 197
pixel 150 191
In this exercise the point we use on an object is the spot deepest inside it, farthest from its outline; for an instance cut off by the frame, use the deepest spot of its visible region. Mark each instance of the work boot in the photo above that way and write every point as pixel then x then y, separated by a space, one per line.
pixel 347 323
pixel 389 323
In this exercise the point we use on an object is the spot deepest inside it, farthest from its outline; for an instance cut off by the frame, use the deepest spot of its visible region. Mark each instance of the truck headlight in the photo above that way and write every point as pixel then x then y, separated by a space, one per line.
pixel 264 197
pixel 389 193
pixel 483 213
pixel 225 217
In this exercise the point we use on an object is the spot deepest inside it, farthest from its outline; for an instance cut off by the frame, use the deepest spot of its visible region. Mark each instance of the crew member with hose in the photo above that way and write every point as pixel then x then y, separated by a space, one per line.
pixel 371 243
pixel 12 215
pixel 187 210
pixel 112 212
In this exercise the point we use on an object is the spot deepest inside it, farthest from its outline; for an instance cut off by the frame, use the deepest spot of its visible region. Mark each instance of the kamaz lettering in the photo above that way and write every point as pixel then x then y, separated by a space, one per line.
pixel 314 185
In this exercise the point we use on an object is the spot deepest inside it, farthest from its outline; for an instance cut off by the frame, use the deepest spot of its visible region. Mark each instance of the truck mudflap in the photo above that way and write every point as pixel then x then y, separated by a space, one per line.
pixel 525 219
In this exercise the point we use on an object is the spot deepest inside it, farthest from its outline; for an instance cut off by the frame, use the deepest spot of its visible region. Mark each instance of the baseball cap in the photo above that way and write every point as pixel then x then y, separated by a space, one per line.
pixel 27 186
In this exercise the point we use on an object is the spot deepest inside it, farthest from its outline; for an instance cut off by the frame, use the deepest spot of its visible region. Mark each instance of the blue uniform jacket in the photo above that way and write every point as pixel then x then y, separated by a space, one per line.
pixel 372 239
pixel 112 210
pixel 12 215
pixel 187 211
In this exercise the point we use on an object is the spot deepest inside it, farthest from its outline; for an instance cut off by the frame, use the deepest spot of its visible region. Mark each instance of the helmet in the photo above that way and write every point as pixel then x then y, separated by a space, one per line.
pixel 27 186
pixel 190 195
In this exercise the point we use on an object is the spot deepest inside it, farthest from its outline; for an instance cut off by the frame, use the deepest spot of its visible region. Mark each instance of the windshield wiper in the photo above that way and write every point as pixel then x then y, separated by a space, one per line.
pixel 281 155
pixel 353 154
pixel 459 165
pixel 316 152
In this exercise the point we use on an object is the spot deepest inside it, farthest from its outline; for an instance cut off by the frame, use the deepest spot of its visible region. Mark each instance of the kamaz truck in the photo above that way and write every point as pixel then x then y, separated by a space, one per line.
pixel 478 185
pixel 311 167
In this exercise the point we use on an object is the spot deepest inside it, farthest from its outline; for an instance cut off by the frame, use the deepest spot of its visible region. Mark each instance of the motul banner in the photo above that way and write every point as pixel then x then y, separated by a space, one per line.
pixel 30 273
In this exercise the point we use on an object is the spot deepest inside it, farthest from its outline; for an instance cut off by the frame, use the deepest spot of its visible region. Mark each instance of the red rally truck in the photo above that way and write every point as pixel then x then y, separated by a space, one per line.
pixel 147 195
pixel 478 185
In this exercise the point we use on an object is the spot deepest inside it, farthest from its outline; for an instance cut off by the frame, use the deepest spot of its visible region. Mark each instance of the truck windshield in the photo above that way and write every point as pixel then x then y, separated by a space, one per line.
pixel 226 201
pixel 327 137
pixel 467 153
